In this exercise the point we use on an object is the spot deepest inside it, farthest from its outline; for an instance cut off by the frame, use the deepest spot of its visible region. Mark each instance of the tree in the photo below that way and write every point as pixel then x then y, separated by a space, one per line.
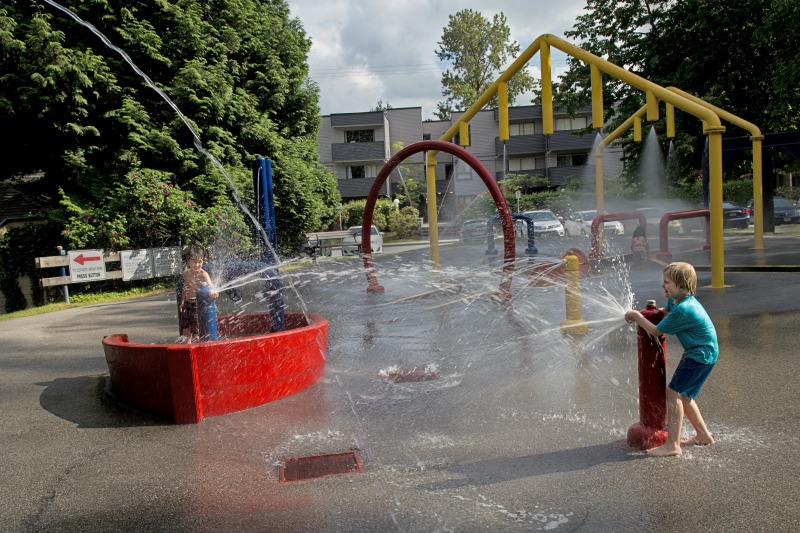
pixel 741 56
pixel 479 50
pixel 83 117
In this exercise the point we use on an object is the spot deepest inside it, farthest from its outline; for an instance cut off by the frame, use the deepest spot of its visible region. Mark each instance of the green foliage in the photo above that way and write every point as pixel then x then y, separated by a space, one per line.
pixel 743 57
pixel 18 249
pixel 82 116
pixel 479 51
pixel 353 213
pixel 404 222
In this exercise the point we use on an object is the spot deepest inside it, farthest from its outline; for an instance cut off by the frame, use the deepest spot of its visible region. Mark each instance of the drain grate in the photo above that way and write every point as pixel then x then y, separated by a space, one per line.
pixel 314 466
pixel 407 375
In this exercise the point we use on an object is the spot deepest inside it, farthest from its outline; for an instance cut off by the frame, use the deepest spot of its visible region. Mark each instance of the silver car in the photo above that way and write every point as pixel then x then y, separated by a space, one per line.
pixel 545 223
pixel 580 223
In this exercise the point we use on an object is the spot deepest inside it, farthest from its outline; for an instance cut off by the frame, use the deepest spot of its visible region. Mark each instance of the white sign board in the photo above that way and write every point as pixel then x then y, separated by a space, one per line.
pixel 136 264
pixel 167 261
pixel 86 265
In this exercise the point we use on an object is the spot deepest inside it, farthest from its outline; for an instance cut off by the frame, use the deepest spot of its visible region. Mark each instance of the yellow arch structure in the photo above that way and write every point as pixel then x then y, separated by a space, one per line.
pixel 654 93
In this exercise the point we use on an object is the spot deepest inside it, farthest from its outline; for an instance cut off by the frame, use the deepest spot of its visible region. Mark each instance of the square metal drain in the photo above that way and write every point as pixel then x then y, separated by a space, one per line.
pixel 314 466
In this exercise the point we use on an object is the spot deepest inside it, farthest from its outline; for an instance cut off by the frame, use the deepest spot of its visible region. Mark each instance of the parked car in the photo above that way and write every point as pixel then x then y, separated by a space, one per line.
pixel 352 245
pixel 653 216
pixel 545 223
pixel 580 223
pixel 785 211
pixel 475 230
pixel 734 216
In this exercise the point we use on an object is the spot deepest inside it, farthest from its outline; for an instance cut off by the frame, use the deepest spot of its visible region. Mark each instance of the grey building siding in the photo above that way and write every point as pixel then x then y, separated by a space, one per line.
pixel 358 152
pixel 395 129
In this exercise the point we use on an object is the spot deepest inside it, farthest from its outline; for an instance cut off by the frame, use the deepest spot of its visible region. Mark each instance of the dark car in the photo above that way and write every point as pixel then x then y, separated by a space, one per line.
pixel 785 212
pixel 475 230
pixel 734 216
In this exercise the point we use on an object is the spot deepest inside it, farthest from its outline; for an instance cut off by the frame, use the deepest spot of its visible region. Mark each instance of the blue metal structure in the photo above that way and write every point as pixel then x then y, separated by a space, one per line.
pixel 531 248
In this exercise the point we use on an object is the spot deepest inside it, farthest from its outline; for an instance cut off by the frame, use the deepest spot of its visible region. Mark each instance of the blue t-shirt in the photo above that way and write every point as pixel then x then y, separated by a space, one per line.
pixel 689 322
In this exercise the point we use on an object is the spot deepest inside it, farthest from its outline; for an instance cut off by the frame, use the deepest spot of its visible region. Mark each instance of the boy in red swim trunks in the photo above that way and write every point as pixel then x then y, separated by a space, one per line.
pixel 193 277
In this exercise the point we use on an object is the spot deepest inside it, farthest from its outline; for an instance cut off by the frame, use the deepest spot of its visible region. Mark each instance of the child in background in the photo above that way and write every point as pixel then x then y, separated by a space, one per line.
pixel 639 245
pixel 193 278
pixel 688 321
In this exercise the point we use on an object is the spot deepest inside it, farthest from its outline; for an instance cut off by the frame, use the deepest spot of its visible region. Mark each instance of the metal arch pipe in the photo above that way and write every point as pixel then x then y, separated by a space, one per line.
pixel 373 286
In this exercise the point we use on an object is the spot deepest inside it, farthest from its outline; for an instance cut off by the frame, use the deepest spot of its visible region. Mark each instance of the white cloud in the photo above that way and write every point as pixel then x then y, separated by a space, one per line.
pixel 363 51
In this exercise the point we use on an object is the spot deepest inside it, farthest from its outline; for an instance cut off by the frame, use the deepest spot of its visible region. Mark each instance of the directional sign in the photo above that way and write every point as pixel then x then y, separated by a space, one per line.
pixel 86 265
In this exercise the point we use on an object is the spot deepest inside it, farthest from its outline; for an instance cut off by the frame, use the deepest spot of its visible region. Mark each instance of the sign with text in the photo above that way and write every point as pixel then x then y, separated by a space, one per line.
pixel 86 265
pixel 167 261
pixel 136 264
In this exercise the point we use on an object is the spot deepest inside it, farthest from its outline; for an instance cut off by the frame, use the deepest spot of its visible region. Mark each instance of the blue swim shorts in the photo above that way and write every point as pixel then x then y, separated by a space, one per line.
pixel 690 376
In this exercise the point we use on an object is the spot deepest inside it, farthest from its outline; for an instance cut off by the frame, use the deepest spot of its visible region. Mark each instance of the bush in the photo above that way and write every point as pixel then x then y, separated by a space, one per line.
pixel 404 222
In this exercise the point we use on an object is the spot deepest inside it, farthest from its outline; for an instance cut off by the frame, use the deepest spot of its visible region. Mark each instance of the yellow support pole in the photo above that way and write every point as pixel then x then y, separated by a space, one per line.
pixel 670 121
pixel 597 98
pixel 715 206
pixel 463 134
pixel 433 224
pixel 652 106
pixel 574 322
pixel 502 109
pixel 758 195
pixel 637 129
pixel 547 89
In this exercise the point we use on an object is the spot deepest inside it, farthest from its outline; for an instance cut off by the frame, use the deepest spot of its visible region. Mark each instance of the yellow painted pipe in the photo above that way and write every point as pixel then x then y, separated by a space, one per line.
pixel 502 109
pixel 547 89
pixel 597 98
pixel 433 223
pixel 637 128
pixel 652 106
pixel 574 322
pixel 670 121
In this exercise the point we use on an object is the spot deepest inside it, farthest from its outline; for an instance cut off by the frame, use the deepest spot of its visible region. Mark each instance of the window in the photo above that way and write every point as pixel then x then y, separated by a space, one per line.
pixel 572 160
pixel 564 124
pixel 359 136
pixel 463 171
pixel 426 136
pixel 525 128
pixel 360 172
pixel 525 163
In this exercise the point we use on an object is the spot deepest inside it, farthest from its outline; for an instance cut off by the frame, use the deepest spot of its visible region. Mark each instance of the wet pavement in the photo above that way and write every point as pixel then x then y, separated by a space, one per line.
pixel 523 429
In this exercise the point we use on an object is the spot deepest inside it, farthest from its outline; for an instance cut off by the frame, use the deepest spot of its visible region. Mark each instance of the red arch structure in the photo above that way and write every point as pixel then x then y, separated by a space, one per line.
pixel 373 287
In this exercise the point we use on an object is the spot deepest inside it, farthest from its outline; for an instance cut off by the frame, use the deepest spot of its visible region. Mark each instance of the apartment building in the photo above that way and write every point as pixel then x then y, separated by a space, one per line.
pixel 354 146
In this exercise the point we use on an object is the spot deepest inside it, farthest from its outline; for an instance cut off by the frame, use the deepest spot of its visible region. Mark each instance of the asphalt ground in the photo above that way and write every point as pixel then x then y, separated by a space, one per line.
pixel 523 429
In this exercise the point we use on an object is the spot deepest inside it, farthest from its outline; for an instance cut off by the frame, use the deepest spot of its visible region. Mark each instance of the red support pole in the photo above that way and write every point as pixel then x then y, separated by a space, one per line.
pixel 649 431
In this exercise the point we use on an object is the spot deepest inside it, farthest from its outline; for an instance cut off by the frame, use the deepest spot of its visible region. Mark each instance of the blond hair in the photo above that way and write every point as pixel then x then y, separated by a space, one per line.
pixel 682 275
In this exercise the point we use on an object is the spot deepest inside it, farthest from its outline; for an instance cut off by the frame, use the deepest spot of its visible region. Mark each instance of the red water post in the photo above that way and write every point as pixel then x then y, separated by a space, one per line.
pixel 649 431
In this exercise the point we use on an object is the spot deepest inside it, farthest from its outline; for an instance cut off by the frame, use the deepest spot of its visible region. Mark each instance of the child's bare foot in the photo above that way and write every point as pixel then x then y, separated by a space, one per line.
pixel 664 451
pixel 697 441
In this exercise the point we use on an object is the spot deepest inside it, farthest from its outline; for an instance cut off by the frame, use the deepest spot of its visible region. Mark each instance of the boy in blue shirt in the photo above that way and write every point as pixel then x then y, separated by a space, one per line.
pixel 689 322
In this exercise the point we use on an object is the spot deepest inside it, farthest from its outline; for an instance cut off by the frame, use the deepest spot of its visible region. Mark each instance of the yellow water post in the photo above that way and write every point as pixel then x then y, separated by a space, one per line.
pixel 670 121
pixel 652 106
pixel 502 109
pixel 637 129
pixel 547 89
pixel 574 322
pixel 433 224
pixel 715 206
pixel 597 98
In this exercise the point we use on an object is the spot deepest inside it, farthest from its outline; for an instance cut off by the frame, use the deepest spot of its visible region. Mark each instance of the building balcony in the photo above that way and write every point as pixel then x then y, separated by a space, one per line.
pixel 536 145
pixel 358 152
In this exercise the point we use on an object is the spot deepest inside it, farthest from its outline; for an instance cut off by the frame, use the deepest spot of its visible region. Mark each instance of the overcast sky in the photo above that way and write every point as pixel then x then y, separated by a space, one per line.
pixel 365 51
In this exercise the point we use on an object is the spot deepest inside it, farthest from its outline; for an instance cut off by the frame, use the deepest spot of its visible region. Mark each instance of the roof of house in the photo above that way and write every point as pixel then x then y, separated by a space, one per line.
pixel 15 204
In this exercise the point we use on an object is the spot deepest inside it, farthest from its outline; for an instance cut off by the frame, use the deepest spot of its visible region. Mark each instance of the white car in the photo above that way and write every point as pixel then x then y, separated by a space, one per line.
pixel 580 223
pixel 545 223
pixel 352 245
